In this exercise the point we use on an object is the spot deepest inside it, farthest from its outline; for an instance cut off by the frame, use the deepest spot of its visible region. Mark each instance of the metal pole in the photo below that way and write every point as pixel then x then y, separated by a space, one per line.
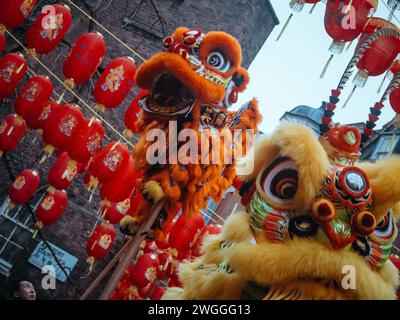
pixel 132 250
pixel 106 270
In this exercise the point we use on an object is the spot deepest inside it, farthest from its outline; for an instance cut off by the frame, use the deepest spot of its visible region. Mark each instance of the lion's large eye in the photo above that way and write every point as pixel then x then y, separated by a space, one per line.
pixel 219 61
pixel 279 181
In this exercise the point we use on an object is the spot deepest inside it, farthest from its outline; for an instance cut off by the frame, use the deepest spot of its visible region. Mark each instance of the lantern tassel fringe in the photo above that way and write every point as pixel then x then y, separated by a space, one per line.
pixel 382 82
pixel 313 8
pixel 284 27
pixel 326 67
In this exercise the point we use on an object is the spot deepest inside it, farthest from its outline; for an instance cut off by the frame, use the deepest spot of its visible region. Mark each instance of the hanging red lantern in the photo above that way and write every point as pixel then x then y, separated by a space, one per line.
pixel 87 141
pixel 48 29
pixel 157 294
pixel 116 211
pixel 335 20
pixel 84 58
pixel 174 281
pixel 2 37
pixel 100 242
pixel 36 92
pixel 11 132
pixel 162 236
pixel 132 114
pixel 62 172
pixel 14 12
pixel 12 69
pixel 114 83
pixel 148 246
pixel 344 21
pixel 51 208
pixel 183 233
pixel 146 291
pixel 121 185
pixel 394 99
pixel 62 128
pixel 380 55
pixel 145 270
pixel 107 163
pixel 23 187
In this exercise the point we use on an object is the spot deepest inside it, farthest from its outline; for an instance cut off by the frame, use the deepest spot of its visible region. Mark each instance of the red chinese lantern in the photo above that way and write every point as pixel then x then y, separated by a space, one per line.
pixel 145 270
pixel 174 281
pixel 84 58
pixel 100 242
pixel 107 163
pixel 183 233
pixel 148 246
pixel 162 236
pixel 207 230
pixel 380 55
pixel 146 291
pixel 394 99
pixel 181 254
pixel 2 38
pixel 62 172
pixel 132 114
pixel 116 211
pixel 114 83
pixel 158 293
pixel 393 70
pixel 61 130
pixel 87 141
pixel 36 92
pixel 11 132
pixel 47 115
pixel 23 187
pixel 344 22
pixel 12 70
pixel 14 12
pixel 121 185
pixel 166 265
pixel 51 208
pixel 48 29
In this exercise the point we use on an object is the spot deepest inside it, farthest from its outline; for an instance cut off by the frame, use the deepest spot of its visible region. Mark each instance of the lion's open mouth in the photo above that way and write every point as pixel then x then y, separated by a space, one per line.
pixel 169 96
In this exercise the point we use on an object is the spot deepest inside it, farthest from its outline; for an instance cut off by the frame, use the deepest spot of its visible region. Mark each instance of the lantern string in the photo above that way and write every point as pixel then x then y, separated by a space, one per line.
pixel 72 92
pixel 106 30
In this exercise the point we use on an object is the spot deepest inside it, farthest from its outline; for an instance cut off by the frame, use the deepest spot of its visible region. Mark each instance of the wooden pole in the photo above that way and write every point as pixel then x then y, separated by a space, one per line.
pixel 106 270
pixel 131 250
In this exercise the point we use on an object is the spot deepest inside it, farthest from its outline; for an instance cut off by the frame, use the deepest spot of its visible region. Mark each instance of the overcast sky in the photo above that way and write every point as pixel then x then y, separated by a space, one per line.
pixel 286 73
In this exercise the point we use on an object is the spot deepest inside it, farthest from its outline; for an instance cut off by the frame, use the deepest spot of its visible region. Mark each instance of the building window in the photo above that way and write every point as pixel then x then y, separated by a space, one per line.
pixel 384 147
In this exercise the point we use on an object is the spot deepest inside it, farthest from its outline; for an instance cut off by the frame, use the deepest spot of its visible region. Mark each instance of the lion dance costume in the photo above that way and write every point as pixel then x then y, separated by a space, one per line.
pixel 314 217
pixel 191 85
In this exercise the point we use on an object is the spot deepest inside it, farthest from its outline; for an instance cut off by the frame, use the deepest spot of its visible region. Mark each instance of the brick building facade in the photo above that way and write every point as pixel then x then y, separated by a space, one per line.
pixel 141 24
